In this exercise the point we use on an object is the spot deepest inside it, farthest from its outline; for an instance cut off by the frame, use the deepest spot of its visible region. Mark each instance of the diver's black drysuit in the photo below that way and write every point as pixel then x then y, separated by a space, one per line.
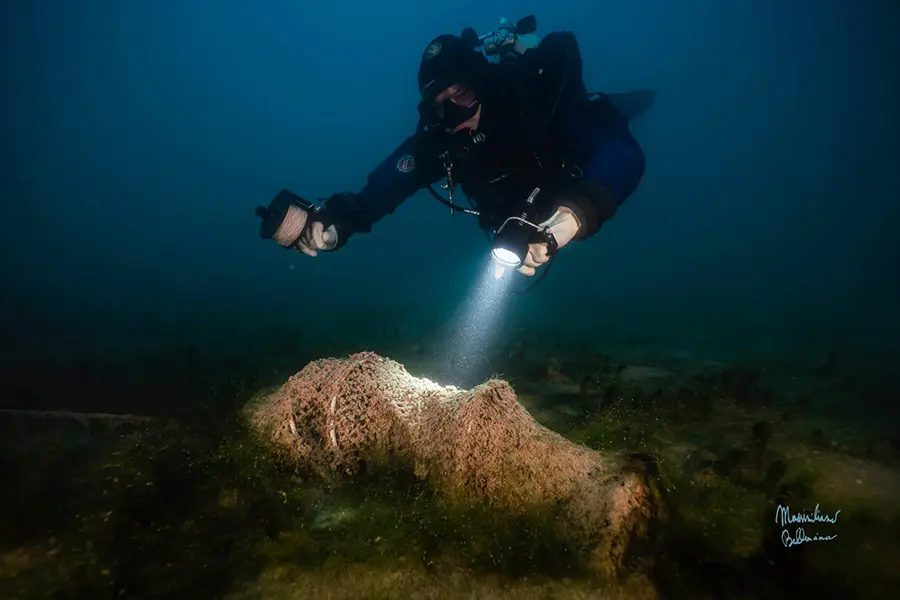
pixel 539 127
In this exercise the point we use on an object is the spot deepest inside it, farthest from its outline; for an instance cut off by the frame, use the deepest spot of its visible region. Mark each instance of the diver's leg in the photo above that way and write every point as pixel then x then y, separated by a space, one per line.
pixel 614 160
pixel 633 104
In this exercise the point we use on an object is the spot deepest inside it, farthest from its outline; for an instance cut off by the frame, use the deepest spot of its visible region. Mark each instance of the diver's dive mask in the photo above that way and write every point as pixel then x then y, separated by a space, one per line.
pixel 445 114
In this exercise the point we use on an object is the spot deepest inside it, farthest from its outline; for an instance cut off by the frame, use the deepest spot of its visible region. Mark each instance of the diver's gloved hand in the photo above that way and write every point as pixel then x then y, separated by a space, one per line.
pixel 317 237
pixel 564 226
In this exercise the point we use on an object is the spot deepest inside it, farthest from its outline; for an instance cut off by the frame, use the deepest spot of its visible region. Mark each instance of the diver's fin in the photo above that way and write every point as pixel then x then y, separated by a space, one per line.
pixel 633 104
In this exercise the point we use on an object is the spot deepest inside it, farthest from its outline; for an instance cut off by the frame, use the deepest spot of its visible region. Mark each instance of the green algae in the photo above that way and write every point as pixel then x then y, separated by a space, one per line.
pixel 197 506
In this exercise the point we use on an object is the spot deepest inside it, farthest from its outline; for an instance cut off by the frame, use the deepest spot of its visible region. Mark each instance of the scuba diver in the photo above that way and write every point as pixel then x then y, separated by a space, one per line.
pixel 506 117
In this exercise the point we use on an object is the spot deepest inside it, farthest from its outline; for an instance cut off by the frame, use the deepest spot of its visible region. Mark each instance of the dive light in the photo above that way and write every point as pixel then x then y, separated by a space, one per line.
pixel 285 219
pixel 511 241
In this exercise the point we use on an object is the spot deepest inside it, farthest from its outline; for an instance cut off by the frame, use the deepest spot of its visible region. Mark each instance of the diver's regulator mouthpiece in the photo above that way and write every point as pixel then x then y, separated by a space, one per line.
pixel 511 241
pixel 286 218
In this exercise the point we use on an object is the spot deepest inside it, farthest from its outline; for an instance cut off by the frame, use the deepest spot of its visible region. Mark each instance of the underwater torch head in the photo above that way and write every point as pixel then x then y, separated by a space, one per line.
pixel 510 246
pixel 511 243
pixel 285 219
pixel 507 258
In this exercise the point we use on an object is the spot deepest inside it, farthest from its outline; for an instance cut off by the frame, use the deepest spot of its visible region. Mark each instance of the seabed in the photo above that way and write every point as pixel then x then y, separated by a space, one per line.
pixel 190 504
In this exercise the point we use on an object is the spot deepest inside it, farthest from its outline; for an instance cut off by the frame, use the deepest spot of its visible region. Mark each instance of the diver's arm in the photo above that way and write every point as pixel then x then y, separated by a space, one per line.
pixel 615 164
pixel 612 174
pixel 408 169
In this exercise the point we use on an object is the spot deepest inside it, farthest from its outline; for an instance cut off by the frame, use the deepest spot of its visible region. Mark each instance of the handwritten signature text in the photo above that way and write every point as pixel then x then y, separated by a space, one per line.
pixel 784 517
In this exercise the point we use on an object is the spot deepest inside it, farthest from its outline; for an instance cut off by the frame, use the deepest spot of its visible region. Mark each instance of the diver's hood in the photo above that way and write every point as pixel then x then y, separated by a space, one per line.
pixel 448 60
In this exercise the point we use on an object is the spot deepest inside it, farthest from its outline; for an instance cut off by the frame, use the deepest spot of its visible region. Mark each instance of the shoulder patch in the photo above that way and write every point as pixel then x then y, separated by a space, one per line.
pixel 433 49
pixel 406 163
